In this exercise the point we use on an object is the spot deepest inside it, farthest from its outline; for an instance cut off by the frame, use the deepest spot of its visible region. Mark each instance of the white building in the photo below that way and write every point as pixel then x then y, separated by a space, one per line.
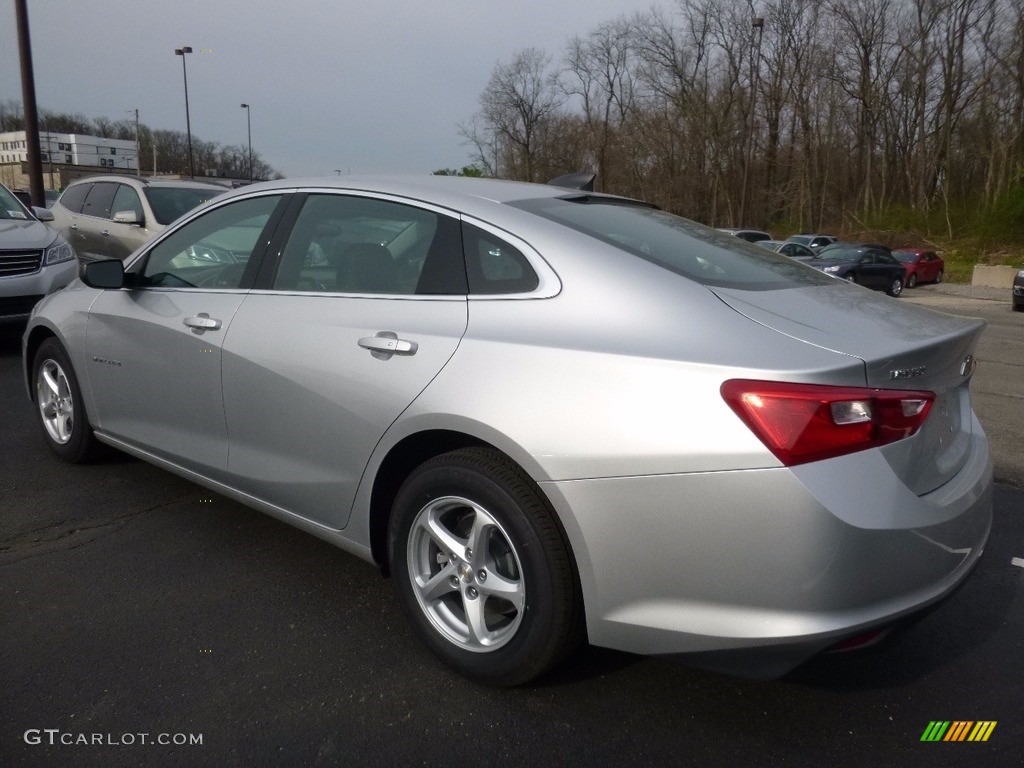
pixel 65 149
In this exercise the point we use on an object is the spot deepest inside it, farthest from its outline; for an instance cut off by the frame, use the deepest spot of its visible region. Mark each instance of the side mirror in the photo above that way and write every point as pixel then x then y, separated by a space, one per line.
pixel 108 273
pixel 43 214
pixel 127 217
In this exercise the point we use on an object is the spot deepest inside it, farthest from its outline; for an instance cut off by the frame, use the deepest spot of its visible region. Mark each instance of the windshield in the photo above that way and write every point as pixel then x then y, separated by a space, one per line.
pixel 10 207
pixel 682 246
pixel 170 203
pixel 802 239
pixel 907 257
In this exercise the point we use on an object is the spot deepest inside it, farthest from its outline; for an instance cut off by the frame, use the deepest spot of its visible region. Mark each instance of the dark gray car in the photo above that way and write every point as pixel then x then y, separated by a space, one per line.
pixel 34 260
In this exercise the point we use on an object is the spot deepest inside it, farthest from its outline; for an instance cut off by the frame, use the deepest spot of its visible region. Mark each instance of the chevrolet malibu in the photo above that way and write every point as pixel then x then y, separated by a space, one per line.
pixel 550 415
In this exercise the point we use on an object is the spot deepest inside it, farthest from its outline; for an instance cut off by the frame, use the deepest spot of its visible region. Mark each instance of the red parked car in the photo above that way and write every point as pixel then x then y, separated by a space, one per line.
pixel 921 266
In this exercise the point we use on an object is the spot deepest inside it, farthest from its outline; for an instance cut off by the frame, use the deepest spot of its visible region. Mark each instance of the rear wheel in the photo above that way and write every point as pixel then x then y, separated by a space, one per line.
pixel 482 569
pixel 912 280
pixel 896 286
pixel 59 405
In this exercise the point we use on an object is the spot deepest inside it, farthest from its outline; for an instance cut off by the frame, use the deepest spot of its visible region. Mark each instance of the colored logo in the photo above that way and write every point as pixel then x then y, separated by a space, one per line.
pixel 958 730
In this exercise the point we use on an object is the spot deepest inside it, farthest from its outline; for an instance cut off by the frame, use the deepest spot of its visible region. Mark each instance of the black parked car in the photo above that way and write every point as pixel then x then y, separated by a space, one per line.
pixel 1018 291
pixel 867 264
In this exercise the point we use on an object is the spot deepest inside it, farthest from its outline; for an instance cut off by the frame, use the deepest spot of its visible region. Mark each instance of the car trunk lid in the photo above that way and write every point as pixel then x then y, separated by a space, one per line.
pixel 902 346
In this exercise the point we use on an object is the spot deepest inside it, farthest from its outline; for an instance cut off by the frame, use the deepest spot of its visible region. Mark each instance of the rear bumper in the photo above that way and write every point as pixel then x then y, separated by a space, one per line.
pixel 755 571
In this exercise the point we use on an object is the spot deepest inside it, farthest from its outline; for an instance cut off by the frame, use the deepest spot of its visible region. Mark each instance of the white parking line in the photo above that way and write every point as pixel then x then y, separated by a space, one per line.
pixel 1018 561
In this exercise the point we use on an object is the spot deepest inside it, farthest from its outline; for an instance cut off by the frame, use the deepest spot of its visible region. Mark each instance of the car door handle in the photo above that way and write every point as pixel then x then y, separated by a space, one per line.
pixel 202 322
pixel 74 227
pixel 386 343
pixel 105 233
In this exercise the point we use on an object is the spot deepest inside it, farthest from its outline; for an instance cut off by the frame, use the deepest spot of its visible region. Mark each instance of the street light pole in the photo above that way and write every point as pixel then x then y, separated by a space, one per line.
pixel 248 125
pixel 757 28
pixel 188 123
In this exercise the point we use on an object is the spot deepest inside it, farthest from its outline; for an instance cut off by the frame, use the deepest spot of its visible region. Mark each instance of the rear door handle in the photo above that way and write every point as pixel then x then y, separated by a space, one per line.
pixel 202 322
pixel 386 343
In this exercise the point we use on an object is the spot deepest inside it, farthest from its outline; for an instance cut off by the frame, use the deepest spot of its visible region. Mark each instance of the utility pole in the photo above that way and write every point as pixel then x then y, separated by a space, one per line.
pixel 138 157
pixel 28 96
pixel 757 28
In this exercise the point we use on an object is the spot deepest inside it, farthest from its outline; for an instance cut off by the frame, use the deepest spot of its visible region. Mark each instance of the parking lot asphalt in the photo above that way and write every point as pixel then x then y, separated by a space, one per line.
pixel 136 606
pixel 997 390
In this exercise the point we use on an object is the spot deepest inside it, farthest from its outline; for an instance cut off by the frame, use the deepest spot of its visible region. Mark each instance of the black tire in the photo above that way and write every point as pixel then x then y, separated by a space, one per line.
pixel 851 277
pixel 895 287
pixel 938 277
pixel 59 406
pixel 507 612
pixel 912 280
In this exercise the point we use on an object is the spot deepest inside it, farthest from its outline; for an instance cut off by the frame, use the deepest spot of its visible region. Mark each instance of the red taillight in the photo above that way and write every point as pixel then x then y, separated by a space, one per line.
pixel 807 422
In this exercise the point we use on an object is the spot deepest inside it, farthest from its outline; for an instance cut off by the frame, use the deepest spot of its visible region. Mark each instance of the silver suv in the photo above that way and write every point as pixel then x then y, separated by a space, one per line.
pixel 106 217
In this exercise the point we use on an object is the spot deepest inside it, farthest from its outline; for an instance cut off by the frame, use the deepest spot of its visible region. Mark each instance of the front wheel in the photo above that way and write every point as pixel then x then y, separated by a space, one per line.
pixel 896 286
pixel 59 405
pixel 912 280
pixel 482 569
pixel 938 277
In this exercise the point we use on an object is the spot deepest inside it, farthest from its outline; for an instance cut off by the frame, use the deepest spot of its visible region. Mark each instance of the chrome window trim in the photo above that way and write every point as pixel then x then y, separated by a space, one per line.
pixel 548 285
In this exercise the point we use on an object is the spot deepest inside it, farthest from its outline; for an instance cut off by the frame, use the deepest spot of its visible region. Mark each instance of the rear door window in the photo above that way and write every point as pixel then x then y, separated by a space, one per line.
pixel 361 245
pixel 74 196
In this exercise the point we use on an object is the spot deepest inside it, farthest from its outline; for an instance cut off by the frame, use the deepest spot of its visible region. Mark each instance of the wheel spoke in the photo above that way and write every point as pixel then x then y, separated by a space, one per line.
pixel 52 386
pixel 444 538
pixel 475 622
pixel 497 586
pixel 438 585
pixel 482 526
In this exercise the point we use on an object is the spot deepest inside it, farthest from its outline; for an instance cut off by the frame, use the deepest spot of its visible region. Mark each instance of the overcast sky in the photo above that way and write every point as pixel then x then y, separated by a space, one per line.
pixel 373 86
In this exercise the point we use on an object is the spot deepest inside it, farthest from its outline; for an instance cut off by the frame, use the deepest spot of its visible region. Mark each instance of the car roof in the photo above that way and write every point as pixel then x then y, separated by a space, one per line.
pixel 151 182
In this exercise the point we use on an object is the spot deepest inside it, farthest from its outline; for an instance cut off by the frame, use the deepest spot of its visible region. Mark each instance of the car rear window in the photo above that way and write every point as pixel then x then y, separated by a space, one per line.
pixel 692 250
pixel 170 203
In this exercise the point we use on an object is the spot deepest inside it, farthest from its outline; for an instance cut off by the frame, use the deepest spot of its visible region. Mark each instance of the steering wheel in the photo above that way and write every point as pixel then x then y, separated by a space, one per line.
pixel 210 253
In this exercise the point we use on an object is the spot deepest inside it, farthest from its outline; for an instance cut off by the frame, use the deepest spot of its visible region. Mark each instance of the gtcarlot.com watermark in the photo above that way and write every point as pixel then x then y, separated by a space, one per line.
pixel 57 737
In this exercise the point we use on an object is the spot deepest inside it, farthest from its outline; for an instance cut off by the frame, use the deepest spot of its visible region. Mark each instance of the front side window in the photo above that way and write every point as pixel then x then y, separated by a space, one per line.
pixel 349 244
pixel 211 251
pixel 127 199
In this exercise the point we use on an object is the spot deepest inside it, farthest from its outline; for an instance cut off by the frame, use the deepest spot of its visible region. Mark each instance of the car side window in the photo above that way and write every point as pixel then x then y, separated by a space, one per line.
pixel 211 251
pixel 494 266
pixel 74 196
pixel 127 199
pixel 350 244
pixel 99 200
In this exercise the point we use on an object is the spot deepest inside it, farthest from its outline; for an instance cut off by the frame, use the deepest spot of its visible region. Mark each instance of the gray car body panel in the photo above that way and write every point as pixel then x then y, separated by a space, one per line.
pixel 688 534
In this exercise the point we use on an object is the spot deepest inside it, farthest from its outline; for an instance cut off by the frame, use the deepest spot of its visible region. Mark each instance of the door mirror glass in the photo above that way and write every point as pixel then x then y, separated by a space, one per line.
pixel 108 273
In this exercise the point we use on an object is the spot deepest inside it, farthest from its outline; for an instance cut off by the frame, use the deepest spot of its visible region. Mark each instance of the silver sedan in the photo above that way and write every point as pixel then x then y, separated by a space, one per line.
pixel 550 415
